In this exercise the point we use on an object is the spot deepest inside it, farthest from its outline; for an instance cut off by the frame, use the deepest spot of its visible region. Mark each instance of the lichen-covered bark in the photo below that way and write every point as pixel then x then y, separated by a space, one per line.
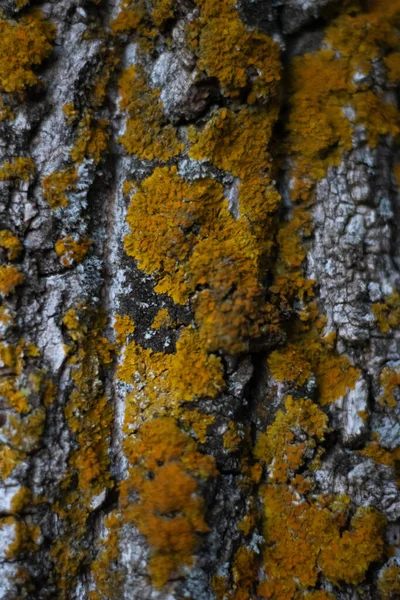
pixel 200 301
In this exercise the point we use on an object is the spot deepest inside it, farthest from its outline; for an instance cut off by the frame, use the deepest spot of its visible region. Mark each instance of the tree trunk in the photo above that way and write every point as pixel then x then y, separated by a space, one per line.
pixel 200 351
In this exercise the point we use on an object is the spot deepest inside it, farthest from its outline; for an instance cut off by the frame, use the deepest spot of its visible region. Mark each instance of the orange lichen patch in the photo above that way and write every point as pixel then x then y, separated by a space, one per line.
pixel 22 434
pixel 25 537
pixel 387 314
pixel 196 423
pixel 21 3
pixel 323 84
pixel 10 278
pixel 290 364
pixel 334 373
pixel 99 87
pixel 6 112
pixel 389 582
pixel 21 499
pixel 390 381
pixel 123 326
pixel 232 438
pixel 161 382
pixel 200 246
pixel 305 538
pixel 245 573
pixel 319 595
pixel 162 320
pixel 233 54
pixel 147 134
pixel 130 17
pixel 11 243
pixel 16 398
pixel 105 569
pixel 162 10
pixel 19 168
pixel 72 251
pixel 70 112
pixel 170 509
pixel 380 455
pixel 92 139
pixel 236 142
pixel 279 448
pixel 392 62
pixel 290 235
pixel 57 185
pixel 346 558
pixel 26 44
pixel 89 417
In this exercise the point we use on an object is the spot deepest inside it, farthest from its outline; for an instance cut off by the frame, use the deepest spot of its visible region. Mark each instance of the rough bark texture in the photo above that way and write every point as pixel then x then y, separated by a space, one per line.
pixel 200 343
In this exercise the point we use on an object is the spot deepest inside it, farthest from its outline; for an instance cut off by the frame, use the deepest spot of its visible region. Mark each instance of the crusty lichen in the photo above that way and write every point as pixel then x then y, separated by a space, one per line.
pixel 72 251
pixel 19 168
pixel 389 582
pixel 387 314
pixel 10 278
pixel 24 44
pixel 147 134
pixel 92 139
pixel 170 510
pixel 11 243
pixel 57 185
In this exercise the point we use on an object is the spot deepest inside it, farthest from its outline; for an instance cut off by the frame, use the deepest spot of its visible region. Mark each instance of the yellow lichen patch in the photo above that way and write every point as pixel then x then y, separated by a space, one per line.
pixel 347 557
pixel 200 246
pixel 105 569
pixel 387 314
pixel 6 112
pixel 123 326
pixel 380 455
pixel 162 10
pixel 57 185
pixel 99 87
pixel 162 320
pixel 92 139
pixel 390 381
pixel 161 382
pixel 389 582
pixel 236 142
pixel 130 17
pixel 22 434
pixel 19 168
pixel 279 448
pixel 147 135
pixel 72 251
pixel 392 62
pixel 11 243
pixel 170 509
pixel 21 499
pixel 319 595
pixel 295 363
pixel 232 438
pixel 25 44
pixel 89 417
pixel 10 278
pixel 233 54
pixel 197 423
pixel 70 112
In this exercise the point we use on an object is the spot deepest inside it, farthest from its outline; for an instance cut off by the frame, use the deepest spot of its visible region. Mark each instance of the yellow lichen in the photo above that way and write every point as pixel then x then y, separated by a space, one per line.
pixel 162 320
pixel 19 168
pixel 161 382
pixel 233 54
pixel 147 135
pixel 72 251
pixel 10 278
pixel 24 44
pixel 123 326
pixel 170 509
pixel 390 381
pixel 200 246
pixel 11 243
pixel 387 314
pixel 57 185
pixel 70 112
pixel 389 582
pixel 92 139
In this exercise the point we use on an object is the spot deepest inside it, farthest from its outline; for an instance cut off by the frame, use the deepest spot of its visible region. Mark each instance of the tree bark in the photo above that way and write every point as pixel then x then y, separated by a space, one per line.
pixel 200 343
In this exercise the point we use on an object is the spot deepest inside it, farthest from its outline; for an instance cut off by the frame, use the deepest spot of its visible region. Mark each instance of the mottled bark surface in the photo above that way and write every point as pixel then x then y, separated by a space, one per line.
pixel 200 343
